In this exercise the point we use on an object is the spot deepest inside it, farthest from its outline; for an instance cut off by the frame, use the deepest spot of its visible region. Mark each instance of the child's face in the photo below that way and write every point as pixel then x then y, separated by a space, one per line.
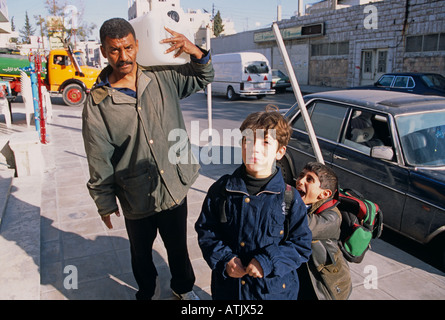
pixel 308 185
pixel 260 151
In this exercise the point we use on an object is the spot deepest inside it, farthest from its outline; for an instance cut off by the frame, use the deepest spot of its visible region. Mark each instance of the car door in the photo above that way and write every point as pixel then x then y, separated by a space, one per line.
pixel 327 119
pixel 382 181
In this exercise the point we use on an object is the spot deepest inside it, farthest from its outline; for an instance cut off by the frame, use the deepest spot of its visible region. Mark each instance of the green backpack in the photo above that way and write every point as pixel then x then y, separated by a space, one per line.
pixel 362 220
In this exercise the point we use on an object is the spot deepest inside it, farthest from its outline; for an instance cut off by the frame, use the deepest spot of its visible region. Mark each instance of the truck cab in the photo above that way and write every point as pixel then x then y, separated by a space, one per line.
pixel 67 73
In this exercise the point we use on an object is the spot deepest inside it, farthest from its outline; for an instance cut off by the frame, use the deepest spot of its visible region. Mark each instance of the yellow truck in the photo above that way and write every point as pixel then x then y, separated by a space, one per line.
pixel 64 72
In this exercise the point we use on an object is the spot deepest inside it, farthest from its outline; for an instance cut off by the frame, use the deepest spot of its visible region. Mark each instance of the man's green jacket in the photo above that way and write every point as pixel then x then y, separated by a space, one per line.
pixel 137 148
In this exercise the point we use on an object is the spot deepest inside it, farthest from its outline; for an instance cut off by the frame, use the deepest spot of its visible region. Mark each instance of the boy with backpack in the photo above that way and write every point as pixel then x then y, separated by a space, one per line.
pixel 326 275
pixel 252 247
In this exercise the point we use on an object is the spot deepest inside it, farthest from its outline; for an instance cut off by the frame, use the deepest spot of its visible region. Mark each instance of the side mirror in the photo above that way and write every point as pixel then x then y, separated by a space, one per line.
pixel 382 152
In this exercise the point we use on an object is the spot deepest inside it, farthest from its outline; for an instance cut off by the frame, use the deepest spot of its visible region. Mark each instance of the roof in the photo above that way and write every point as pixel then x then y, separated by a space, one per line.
pixel 410 74
pixel 388 101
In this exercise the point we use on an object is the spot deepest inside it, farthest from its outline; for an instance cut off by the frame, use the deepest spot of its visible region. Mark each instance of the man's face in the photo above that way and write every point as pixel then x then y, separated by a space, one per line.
pixel 121 54
pixel 260 151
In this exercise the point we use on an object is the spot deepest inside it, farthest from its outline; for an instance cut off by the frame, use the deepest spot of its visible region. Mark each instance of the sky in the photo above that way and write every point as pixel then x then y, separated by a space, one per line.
pixel 246 14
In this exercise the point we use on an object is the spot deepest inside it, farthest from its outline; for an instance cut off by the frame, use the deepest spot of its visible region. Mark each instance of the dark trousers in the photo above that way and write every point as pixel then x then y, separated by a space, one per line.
pixel 172 226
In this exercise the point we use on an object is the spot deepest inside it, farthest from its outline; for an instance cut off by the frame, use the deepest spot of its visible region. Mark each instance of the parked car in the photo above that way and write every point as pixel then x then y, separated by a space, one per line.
pixel 418 83
pixel 390 146
pixel 280 81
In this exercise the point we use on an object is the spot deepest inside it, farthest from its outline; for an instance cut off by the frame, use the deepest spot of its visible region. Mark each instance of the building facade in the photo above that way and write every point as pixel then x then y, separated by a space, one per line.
pixel 345 44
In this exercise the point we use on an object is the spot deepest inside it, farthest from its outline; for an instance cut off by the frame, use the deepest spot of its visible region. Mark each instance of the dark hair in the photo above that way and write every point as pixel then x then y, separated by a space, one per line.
pixel 328 178
pixel 116 28
pixel 269 119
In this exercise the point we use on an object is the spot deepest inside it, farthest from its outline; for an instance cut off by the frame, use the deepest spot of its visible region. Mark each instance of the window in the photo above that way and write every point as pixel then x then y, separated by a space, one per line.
pixel 367 65
pixel 433 80
pixel 382 58
pixel 315 29
pixel 60 60
pixel 423 138
pixel 430 42
pixel 330 49
pixel 414 44
pixel 366 130
pixel 343 48
pixel 385 81
pixel 327 119
pixel 256 67
pixel 401 82
pixel 442 42
pixel 426 43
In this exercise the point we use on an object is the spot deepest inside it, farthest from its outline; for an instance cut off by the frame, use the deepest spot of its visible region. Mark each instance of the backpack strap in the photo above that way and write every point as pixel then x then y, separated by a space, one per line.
pixel 327 205
pixel 288 197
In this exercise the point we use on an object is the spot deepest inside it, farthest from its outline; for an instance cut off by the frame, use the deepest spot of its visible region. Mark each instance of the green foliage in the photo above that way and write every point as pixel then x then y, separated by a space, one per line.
pixel 218 26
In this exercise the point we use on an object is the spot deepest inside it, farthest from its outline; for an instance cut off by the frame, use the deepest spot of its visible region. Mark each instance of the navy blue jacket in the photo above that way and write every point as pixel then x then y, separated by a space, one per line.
pixel 234 223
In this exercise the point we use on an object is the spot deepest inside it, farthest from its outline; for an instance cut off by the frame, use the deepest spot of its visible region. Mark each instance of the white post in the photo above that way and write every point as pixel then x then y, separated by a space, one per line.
pixel 209 90
pixel 297 92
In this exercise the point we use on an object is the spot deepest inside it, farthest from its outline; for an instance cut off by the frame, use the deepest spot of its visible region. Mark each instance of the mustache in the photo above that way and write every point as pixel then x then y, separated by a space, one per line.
pixel 123 63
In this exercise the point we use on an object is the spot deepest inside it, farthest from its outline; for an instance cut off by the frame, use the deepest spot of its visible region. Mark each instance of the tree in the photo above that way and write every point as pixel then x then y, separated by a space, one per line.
pixel 218 26
pixel 12 24
pixel 13 39
pixel 27 31
pixel 56 8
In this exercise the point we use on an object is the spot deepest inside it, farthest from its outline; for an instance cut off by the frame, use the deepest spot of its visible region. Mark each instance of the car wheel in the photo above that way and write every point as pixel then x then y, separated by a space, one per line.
pixel 231 95
pixel 286 171
pixel 73 95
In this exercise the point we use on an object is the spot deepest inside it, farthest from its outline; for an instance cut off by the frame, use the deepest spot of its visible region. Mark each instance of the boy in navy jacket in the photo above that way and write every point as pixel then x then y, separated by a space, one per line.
pixel 241 230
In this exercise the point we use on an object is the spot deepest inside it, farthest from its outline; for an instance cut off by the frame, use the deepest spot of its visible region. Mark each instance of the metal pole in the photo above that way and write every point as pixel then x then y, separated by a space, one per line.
pixel 297 92
pixel 42 113
pixel 35 92
pixel 209 90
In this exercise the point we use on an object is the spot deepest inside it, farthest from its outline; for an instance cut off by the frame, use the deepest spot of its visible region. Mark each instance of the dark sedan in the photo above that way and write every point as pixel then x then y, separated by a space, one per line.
pixel 280 81
pixel 418 83
pixel 390 146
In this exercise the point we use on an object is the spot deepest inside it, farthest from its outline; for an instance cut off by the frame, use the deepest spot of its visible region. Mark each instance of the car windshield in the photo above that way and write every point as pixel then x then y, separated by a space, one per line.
pixel 434 81
pixel 256 67
pixel 423 138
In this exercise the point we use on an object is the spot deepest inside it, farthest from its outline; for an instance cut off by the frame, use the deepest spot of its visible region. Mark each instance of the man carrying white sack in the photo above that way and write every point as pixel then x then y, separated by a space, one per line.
pixel 127 119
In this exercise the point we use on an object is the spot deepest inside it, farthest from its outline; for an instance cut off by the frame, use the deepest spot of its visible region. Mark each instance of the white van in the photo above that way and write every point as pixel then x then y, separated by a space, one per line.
pixel 242 73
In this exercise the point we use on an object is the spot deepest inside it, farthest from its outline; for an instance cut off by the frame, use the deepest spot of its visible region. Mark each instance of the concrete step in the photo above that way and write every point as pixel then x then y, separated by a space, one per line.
pixel 20 239
pixel 6 177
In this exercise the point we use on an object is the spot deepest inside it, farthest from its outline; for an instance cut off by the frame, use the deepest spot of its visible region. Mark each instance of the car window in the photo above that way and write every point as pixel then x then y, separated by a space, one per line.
pixel 385 81
pixel 256 67
pixel 367 129
pixel 433 80
pixel 401 82
pixel 327 119
pixel 422 136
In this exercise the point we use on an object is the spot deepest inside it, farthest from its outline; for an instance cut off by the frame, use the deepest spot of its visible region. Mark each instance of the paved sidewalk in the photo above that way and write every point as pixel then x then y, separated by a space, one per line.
pixel 76 245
